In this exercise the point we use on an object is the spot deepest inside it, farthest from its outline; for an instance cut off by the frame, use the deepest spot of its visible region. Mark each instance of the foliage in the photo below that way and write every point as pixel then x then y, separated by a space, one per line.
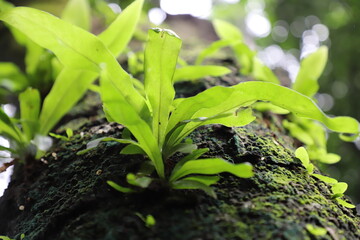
pixel 70 84
pixel 156 123
pixel 337 188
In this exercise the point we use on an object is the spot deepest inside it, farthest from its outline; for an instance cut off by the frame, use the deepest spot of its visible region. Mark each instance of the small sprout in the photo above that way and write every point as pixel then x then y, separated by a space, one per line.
pixel 316 231
pixel 69 133
pixel 149 220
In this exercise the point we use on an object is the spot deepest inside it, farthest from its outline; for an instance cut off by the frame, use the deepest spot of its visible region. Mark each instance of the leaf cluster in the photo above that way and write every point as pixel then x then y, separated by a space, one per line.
pixel 156 123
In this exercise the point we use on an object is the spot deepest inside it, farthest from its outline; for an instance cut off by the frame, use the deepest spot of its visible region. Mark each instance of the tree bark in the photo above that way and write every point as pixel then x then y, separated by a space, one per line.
pixel 65 196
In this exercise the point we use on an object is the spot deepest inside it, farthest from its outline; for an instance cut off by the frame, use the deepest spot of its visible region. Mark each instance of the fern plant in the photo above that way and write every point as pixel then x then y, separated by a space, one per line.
pixel 158 123
pixel 37 118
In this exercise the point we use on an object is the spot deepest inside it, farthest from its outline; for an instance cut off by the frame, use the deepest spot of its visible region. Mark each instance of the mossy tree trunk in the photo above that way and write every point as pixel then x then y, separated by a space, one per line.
pixel 65 196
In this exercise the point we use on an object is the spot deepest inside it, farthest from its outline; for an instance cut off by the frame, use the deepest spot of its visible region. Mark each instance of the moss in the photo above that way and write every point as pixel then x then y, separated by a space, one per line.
pixel 71 200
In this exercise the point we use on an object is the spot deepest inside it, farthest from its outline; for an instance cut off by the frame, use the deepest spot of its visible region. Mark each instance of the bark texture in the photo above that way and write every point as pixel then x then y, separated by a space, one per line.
pixel 66 196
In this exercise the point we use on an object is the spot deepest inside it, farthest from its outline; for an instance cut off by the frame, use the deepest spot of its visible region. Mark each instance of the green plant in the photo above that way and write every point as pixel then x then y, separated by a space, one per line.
pixel 71 83
pixel 156 123
pixel 337 188
pixel 69 135
pixel 149 220
pixel 307 131
pixel 22 236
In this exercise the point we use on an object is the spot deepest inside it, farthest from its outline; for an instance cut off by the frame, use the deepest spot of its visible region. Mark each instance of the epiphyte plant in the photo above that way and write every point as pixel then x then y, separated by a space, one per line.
pixel 309 132
pixel 37 118
pixel 158 122
pixel 337 188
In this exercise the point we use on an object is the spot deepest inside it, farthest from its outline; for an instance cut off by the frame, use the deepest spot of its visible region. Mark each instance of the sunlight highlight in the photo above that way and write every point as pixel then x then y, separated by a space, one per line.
pixel 198 8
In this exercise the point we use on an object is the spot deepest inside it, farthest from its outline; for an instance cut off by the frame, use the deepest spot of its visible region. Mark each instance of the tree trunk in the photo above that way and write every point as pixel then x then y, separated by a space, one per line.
pixel 65 196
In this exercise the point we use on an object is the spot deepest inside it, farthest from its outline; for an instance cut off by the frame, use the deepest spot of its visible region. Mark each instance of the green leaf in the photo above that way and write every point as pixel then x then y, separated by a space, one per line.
pixel 207 180
pixel 192 184
pixel 262 72
pixel 266 106
pixel 119 109
pixel 297 132
pixel 213 48
pixel 5 238
pixel 8 128
pixel 69 133
pixel 149 220
pixel 227 31
pixel 34 53
pixel 74 46
pixel 29 112
pixel 344 203
pixel 325 179
pixel 78 12
pixel 140 181
pixel 302 154
pixel 218 100
pixel 310 168
pixel 211 166
pixel 117 36
pixel 57 136
pixel 70 85
pixel 132 149
pixel 11 77
pixel 316 231
pixel 119 188
pixel 2 148
pixel 197 72
pixel 311 68
pixel 161 54
pixel 339 187
pixel 330 158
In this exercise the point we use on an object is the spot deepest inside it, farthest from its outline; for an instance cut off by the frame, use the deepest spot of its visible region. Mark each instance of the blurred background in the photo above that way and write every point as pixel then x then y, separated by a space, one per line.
pixel 282 32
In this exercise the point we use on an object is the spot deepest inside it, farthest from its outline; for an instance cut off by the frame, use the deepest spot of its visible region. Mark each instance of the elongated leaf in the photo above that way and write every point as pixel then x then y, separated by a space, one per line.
pixel 213 48
pixel 70 85
pixel 219 99
pixel 262 72
pixel 344 203
pixel 311 69
pixel 227 31
pixel 193 184
pixel 140 181
pixel 33 51
pixel 197 72
pixel 119 188
pixel 161 53
pixel 116 106
pixel 29 111
pixel 207 180
pixel 117 36
pixel 212 166
pixel 78 12
pixel 297 132
pixel 325 178
pixel 8 128
pixel 73 46
pixel 11 77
